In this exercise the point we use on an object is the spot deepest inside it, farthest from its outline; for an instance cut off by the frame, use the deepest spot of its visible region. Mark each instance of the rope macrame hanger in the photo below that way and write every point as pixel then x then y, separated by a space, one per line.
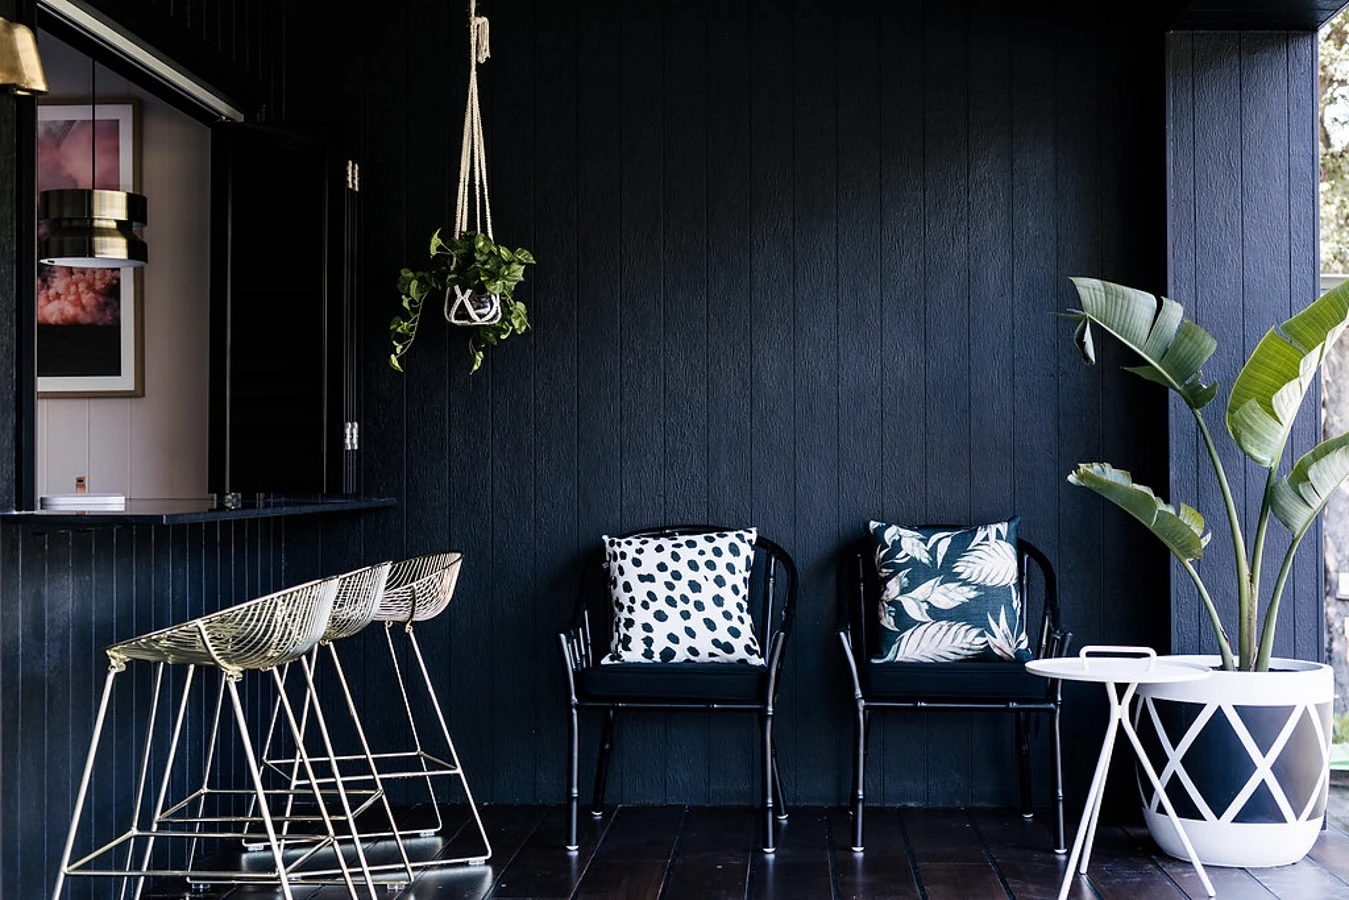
pixel 465 307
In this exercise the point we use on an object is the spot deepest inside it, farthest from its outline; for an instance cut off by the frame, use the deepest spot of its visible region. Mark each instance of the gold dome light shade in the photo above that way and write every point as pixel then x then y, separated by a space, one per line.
pixel 92 228
pixel 20 65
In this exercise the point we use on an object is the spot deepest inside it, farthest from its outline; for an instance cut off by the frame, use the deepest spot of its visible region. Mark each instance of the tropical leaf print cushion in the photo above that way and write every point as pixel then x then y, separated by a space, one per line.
pixel 949 594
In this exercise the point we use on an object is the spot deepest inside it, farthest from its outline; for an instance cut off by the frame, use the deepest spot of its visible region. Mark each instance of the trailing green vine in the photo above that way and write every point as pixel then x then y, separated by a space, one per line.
pixel 472 262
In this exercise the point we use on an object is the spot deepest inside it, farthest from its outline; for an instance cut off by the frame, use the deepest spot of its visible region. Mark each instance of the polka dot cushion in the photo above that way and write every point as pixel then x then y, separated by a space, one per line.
pixel 682 599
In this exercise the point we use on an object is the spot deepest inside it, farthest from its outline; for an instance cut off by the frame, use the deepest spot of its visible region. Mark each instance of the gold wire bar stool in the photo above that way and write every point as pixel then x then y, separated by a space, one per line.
pixel 414 590
pixel 417 590
pixel 259 635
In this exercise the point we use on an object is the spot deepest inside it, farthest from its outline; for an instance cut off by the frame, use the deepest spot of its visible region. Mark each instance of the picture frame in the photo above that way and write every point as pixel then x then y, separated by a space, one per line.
pixel 90 333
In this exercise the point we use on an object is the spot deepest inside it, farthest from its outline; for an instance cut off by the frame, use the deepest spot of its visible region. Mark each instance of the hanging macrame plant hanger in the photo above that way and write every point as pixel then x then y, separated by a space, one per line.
pixel 465 306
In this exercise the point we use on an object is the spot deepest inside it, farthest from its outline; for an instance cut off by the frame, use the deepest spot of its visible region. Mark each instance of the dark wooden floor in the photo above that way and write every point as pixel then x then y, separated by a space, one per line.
pixel 696 852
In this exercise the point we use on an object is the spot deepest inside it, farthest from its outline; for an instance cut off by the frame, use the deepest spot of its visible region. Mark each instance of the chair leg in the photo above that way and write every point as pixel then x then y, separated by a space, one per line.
pixel 1023 759
pixel 1060 845
pixel 860 732
pixel 83 791
pixel 602 766
pixel 778 796
pixel 768 776
pixel 607 738
pixel 573 778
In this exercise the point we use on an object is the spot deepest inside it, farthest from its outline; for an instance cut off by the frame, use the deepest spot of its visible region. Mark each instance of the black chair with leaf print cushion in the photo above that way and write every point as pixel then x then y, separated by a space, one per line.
pixel 692 617
pixel 934 617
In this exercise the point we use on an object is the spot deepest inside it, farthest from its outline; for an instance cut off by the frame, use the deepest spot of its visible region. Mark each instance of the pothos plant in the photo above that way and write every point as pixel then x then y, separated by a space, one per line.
pixel 1261 408
pixel 472 262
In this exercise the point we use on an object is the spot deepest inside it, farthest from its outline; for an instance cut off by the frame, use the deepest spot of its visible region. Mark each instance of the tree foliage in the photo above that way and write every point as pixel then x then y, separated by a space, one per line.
pixel 1334 139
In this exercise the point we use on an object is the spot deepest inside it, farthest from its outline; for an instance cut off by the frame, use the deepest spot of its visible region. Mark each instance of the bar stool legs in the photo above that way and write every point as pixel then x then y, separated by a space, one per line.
pixel 82 793
pixel 455 767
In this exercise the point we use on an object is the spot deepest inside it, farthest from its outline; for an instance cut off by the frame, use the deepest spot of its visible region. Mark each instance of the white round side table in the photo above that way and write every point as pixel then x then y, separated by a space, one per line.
pixel 1121 672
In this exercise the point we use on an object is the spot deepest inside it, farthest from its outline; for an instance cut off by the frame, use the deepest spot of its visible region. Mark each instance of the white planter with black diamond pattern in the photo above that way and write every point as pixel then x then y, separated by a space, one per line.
pixel 1245 759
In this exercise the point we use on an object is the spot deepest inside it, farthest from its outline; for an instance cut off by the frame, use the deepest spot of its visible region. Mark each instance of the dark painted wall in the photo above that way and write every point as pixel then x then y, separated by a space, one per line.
pixel 1242 219
pixel 798 267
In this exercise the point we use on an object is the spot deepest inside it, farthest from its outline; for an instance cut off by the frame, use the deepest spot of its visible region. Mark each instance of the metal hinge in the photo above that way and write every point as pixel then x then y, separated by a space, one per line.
pixel 351 436
pixel 353 176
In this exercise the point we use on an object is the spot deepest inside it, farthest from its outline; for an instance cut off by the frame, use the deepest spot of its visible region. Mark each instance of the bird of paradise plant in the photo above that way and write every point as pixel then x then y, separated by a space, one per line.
pixel 1262 406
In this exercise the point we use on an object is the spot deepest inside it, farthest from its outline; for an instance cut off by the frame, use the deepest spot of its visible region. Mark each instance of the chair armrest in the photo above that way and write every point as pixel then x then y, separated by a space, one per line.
pixel 576 649
pixel 845 638
pixel 776 651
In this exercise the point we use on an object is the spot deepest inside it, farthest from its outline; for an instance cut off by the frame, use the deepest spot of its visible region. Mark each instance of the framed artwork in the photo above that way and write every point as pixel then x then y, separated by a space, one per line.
pixel 89 330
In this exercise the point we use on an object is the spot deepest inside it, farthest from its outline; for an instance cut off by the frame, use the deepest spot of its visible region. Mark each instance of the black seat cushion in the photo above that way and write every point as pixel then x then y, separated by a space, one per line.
pixel 966 680
pixel 689 681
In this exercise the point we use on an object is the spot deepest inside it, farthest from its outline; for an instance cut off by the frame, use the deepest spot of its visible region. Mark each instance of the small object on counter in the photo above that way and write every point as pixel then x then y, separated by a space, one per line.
pixel 82 500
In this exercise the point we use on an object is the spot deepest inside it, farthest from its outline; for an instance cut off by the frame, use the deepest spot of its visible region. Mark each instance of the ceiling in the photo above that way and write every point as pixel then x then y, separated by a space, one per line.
pixel 1290 15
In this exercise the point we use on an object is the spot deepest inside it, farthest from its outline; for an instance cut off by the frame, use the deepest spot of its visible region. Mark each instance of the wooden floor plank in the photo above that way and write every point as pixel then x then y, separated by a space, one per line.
pixel 1023 851
pixel 949 854
pixel 1331 851
pixel 508 827
pixel 960 881
pixel 543 868
pixel 632 859
pixel 800 867
pixel 882 871
pixel 674 853
pixel 942 836
pixel 712 859
pixel 1119 872
pixel 1301 879
pixel 1236 884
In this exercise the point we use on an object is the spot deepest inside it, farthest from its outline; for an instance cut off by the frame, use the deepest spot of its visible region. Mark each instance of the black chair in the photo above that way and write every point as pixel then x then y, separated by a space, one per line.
pixel 967 685
pixel 736 687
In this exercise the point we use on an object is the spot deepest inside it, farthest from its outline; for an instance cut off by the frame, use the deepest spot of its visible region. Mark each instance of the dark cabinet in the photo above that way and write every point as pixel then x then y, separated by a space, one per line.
pixel 284 219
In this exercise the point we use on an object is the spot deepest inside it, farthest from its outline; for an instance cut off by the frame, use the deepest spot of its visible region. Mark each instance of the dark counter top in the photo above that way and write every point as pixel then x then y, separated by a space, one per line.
pixel 181 511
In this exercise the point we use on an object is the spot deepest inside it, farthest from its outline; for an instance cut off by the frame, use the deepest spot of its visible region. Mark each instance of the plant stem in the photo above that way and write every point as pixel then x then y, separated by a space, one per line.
pixel 1224 644
pixel 1272 614
pixel 1257 556
pixel 1245 634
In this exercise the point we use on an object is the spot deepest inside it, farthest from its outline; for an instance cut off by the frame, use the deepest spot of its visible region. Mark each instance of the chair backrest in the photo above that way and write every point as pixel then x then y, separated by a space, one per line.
pixel 771 602
pixel 359 593
pixel 859 593
pixel 258 634
pixel 419 588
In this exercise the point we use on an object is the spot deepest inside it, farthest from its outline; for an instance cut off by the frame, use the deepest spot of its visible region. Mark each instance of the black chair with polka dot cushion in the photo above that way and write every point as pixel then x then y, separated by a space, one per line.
pixel 679 618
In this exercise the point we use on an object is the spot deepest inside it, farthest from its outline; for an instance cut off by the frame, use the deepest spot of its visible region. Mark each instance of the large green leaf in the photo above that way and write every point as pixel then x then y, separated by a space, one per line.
pixel 1270 387
pixel 1182 532
pixel 1297 498
pixel 1172 347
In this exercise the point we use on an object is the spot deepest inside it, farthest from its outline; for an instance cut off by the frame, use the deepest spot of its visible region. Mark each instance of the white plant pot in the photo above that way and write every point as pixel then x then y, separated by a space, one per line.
pixel 1245 759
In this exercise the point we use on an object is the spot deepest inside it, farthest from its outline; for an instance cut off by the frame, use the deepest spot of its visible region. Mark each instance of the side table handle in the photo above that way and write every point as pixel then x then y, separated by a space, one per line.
pixel 1115 650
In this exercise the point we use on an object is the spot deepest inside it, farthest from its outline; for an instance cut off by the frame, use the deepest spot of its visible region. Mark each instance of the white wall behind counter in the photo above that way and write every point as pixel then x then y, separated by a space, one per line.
pixel 155 445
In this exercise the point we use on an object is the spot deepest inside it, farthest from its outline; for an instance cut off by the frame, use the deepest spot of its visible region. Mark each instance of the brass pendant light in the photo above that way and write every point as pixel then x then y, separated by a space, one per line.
pixel 92 228
pixel 89 227
pixel 20 65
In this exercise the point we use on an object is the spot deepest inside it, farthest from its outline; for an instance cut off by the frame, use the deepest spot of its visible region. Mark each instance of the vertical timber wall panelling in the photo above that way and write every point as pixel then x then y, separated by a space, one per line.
pixel 799 265
pixel 1243 257
pixel 67 595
